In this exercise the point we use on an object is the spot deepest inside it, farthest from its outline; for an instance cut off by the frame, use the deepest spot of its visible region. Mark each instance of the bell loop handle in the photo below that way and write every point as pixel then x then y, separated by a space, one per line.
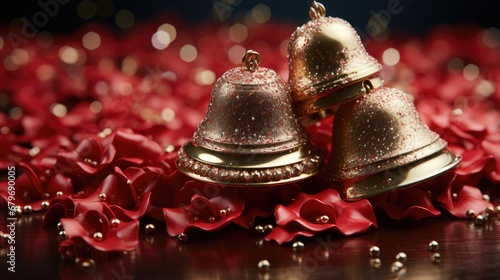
pixel 367 86
pixel 251 60
pixel 317 10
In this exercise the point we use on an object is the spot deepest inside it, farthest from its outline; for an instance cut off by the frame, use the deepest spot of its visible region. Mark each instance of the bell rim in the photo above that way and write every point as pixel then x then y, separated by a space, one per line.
pixel 321 105
pixel 287 172
pixel 332 84
pixel 390 163
pixel 376 184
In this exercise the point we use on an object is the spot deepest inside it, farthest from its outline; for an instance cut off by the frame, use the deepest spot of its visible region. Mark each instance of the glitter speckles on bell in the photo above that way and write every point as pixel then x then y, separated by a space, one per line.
pixel 250 134
pixel 325 55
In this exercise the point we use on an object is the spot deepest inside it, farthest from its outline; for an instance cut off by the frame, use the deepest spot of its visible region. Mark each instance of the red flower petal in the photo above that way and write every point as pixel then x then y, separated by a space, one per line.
pixel 124 237
pixel 412 203
pixel 129 145
pixel 299 218
pixel 200 211
pixel 260 202
pixel 164 193
pixel 469 198
pixel 60 183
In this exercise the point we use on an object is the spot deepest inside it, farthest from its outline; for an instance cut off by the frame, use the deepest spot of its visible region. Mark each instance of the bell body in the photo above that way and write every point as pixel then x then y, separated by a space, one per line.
pixel 328 65
pixel 250 113
pixel 382 145
pixel 250 134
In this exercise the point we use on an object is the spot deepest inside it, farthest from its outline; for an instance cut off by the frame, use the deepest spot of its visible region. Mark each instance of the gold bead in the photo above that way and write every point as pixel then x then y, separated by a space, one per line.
pixel 6 237
pixel 182 237
pixel 396 266
pixel 454 196
pixel 374 252
pixel 479 220
pixel 150 229
pixel 490 210
pixel 264 265
pixel 323 219
pixel 436 257
pixel 259 242
pixel 486 197
pixel 169 148
pixel 223 213
pixel 401 257
pixel 470 214
pixel 59 193
pixel 298 247
pixel 62 235
pixel 497 209
pixel 18 211
pixel 27 209
pixel 98 236
pixel 268 228
pixel 259 230
pixel 433 246
pixel 375 263
pixel 102 197
pixel 211 219
pixel 60 226
pixel 115 223
pixel 85 263
pixel 45 205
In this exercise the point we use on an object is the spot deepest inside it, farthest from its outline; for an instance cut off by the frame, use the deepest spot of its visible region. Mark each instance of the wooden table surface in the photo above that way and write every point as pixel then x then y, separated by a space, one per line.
pixel 468 251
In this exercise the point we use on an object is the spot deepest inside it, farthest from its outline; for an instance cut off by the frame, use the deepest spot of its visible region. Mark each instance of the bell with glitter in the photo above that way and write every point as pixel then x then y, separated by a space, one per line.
pixel 379 143
pixel 328 65
pixel 382 145
pixel 250 135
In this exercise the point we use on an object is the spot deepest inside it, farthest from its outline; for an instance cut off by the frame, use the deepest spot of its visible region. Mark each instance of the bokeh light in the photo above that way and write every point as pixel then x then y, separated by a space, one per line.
pixel 170 29
pixel 238 32
pixel 160 40
pixel 491 37
pixel 45 72
pixel 261 13
pixel 91 40
pixel 390 57
pixel 59 110
pixel 124 19
pixel 471 72
pixel 235 53
pixel 95 107
pixel 188 53
pixel 68 55
pixel 204 77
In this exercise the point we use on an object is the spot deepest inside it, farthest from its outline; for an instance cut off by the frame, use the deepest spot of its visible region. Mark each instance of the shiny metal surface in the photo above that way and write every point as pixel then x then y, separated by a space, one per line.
pixel 377 132
pixel 398 178
pixel 324 55
pixel 250 134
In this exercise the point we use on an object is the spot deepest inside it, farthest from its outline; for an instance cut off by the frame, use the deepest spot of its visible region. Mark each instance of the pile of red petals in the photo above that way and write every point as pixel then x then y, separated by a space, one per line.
pixel 93 137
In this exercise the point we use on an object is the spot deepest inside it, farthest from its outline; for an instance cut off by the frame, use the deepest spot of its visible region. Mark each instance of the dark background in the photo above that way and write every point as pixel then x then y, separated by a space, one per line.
pixel 417 16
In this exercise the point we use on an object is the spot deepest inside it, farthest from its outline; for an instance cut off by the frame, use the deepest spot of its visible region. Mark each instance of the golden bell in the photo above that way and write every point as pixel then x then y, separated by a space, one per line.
pixel 382 145
pixel 328 65
pixel 250 134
